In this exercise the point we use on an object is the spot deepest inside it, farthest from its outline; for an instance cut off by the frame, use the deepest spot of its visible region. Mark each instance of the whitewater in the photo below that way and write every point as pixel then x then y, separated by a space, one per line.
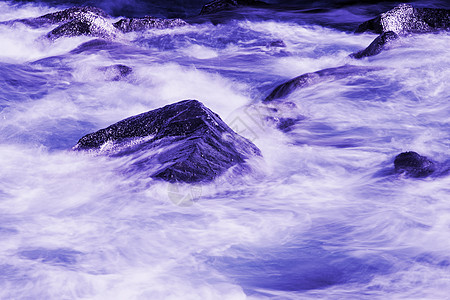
pixel 322 215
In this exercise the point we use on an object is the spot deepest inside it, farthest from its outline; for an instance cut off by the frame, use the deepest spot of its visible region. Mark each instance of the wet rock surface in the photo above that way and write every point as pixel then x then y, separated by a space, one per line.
pixel 404 19
pixel 63 16
pixel 183 142
pixel 88 24
pixel 116 72
pixel 92 21
pixel 72 13
pixel 220 5
pixel 140 24
pixel 309 79
pixel 381 43
pixel 412 164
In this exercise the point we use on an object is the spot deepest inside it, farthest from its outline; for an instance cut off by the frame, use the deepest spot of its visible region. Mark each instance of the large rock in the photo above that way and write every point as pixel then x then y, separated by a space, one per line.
pixel 382 42
pixel 140 24
pixel 309 79
pixel 184 142
pixel 72 13
pixel 62 16
pixel 87 23
pixel 220 5
pixel 405 18
pixel 414 165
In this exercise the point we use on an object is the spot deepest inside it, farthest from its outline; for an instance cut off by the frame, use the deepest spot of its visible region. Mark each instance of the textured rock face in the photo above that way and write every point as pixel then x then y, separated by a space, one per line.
pixel 309 79
pixel 184 142
pixel 413 165
pixel 405 18
pixel 63 16
pixel 89 24
pixel 220 5
pixel 140 24
pixel 92 21
pixel 72 13
pixel 379 44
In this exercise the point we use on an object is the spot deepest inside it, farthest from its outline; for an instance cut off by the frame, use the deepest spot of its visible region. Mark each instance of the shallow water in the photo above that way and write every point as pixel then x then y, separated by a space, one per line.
pixel 322 215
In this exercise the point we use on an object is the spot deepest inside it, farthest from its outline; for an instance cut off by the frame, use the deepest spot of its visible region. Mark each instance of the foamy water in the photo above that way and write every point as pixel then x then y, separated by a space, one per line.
pixel 322 216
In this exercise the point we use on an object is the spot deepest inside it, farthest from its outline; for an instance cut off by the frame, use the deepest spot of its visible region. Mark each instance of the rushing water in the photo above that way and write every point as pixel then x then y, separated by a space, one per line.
pixel 322 216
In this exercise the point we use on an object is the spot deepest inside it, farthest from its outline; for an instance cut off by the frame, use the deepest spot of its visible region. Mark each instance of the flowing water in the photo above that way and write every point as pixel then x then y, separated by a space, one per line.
pixel 322 215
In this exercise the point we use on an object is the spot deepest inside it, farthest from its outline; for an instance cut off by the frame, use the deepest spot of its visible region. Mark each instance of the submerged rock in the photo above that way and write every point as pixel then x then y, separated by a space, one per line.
pixel 381 43
pixel 184 142
pixel 413 165
pixel 220 5
pixel 140 24
pixel 89 24
pixel 116 72
pixel 309 79
pixel 276 44
pixel 405 18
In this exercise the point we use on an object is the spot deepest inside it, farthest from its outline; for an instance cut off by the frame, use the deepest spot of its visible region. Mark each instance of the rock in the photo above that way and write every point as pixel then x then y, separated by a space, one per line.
pixel 276 44
pixel 381 43
pixel 184 142
pixel 414 165
pixel 220 5
pixel 88 24
pixel 140 24
pixel 72 13
pixel 62 16
pixel 405 18
pixel 309 79
pixel 116 72
pixel 75 21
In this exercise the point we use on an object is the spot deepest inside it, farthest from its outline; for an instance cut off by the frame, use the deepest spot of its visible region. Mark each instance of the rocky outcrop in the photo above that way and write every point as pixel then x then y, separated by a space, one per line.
pixel 92 21
pixel 381 43
pixel 220 5
pixel 309 79
pixel 411 164
pixel 62 16
pixel 89 24
pixel 72 13
pixel 405 18
pixel 183 142
pixel 140 24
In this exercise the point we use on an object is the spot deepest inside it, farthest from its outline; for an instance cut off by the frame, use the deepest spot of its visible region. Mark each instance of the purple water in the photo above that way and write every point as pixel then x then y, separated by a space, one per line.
pixel 320 217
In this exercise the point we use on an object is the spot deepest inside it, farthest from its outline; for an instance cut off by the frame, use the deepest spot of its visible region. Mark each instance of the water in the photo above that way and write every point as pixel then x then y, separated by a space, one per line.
pixel 321 216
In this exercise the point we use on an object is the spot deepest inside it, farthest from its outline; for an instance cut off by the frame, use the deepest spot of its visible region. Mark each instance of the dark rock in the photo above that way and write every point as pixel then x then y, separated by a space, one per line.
pixel 62 16
pixel 87 23
pixel 282 115
pixel 72 13
pixel 75 21
pixel 405 18
pixel 276 44
pixel 309 79
pixel 140 24
pixel 381 43
pixel 116 72
pixel 413 165
pixel 220 5
pixel 285 124
pixel 184 142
